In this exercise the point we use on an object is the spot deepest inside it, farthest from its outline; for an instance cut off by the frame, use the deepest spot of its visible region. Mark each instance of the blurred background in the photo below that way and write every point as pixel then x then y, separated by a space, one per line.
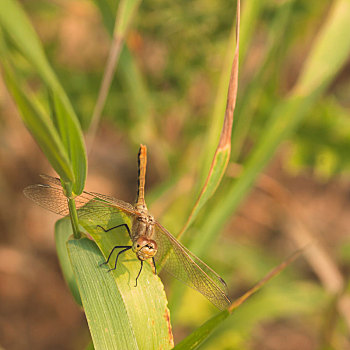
pixel 170 77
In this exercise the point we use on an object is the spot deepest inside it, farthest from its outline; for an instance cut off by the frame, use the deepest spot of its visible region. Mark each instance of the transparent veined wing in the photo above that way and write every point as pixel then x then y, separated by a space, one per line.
pixel 185 266
pixel 86 196
pixel 53 198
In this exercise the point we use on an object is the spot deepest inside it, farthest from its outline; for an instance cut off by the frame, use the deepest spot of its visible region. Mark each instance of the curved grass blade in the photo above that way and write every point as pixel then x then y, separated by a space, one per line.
pixel 39 124
pixel 194 340
pixel 63 230
pixel 328 54
pixel 222 153
pixel 17 27
pixel 144 305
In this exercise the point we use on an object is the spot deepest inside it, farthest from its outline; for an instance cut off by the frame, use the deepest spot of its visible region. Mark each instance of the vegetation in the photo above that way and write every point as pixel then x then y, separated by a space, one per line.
pixel 173 64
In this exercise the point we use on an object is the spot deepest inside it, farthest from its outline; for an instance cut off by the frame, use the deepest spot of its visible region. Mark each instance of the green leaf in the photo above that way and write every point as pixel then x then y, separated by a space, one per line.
pixel 104 308
pixel 248 108
pixel 19 29
pixel 203 332
pixel 329 52
pixel 71 136
pixel 126 11
pixel 222 153
pixel 115 309
pixel 216 173
pixel 39 124
pixel 63 231
pixel 286 116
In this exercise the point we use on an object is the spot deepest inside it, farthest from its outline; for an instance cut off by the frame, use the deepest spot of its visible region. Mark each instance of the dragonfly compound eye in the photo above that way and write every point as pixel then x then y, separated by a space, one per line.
pixel 145 248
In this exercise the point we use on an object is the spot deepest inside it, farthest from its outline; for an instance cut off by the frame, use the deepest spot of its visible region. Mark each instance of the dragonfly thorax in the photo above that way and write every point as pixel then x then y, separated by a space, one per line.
pixel 145 248
pixel 142 226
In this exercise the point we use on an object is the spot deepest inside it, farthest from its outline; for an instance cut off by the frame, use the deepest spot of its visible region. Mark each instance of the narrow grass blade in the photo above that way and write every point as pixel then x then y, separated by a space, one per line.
pixel 251 95
pixel 194 340
pixel 328 52
pixel 125 12
pixel 222 154
pixel 199 336
pixel 107 10
pixel 39 124
pixel 71 136
pixel 111 299
pixel 17 27
pixel 141 102
pixel 250 15
pixel 63 231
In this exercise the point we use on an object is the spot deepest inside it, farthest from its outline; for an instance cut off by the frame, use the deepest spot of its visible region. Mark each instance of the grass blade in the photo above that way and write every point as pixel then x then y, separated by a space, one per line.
pixel 222 154
pixel 105 311
pixel 40 125
pixel 27 42
pixel 126 10
pixel 143 309
pixel 328 52
pixel 202 333
pixel 71 136
pixel 63 230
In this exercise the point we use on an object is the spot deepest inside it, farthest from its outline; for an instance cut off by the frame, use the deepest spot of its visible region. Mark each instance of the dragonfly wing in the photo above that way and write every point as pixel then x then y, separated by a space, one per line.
pixel 54 180
pixel 185 266
pixel 89 208
pixel 124 206
pixel 121 205
pixel 52 198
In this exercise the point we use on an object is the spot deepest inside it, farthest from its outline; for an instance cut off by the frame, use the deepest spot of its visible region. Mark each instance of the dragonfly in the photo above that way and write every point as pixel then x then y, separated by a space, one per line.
pixel 150 241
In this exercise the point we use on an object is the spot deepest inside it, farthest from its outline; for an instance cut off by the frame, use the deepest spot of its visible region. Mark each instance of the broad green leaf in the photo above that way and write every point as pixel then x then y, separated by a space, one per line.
pixel 63 231
pixel 143 309
pixel 39 124
pixel 27 42
pixel 222 154
pixel 105 311
pixel 286 116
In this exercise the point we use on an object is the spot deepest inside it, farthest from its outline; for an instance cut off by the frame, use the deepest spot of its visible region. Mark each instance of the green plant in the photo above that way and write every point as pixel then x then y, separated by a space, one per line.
pixel 55 126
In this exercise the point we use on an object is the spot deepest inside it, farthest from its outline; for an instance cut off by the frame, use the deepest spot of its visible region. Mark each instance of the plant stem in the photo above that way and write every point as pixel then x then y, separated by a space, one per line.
pixel 74 218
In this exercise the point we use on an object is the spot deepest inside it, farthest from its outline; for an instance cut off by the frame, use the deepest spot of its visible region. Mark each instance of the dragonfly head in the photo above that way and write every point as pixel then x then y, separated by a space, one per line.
pixel 145 248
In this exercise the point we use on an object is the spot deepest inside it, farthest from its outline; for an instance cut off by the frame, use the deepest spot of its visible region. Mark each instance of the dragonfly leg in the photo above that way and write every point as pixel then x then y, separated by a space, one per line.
pixel 122 251
pixel 112 228
pixel 154 264
pixel 139 273
pixel 110 254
